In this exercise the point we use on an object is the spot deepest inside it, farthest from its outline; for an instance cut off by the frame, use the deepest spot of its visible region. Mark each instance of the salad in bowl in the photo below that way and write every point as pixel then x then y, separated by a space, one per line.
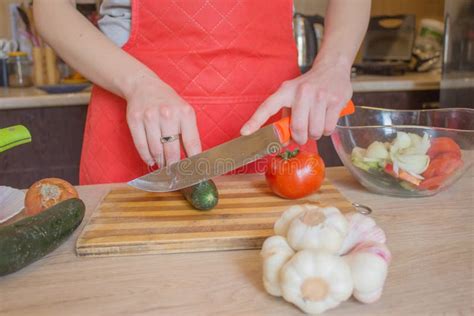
pixel 406 153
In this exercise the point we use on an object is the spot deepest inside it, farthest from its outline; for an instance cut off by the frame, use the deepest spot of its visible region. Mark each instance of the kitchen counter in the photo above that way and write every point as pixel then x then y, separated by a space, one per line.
pixel 32 98
pixel 431 240
pixel 408 82
pixel 20 98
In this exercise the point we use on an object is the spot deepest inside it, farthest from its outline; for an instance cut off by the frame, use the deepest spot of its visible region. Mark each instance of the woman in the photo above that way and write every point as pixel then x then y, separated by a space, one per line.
pixel 203 69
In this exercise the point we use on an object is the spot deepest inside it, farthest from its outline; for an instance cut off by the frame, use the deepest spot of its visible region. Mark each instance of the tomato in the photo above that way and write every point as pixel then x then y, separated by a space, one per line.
pixel 45 193
pixel 295 174
pixel 442 145
pixel 433 183
pixel 433 168
pixel 448 156
pixel 451 165
pixel 444 164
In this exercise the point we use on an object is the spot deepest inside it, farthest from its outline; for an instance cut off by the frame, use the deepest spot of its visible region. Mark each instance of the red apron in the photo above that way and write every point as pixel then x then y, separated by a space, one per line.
pixel 224 57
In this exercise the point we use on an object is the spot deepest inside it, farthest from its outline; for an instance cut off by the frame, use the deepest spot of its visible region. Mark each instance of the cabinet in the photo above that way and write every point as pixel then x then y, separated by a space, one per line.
pixel 55 149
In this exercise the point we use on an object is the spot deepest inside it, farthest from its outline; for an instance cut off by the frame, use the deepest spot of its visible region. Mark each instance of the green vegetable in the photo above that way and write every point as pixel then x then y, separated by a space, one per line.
pixel 407 186
pixel 31 238
pixel 366 165
pixel 202 196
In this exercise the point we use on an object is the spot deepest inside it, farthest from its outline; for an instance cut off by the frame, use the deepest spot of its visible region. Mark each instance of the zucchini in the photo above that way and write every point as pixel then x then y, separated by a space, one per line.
pixel 202 196
pixel 31 238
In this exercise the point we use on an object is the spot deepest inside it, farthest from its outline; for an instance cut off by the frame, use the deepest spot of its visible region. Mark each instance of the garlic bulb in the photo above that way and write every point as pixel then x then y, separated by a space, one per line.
pixel 275 253
pixel 369 264
pixel 316 280
pixel 318 277
pixel 318 228
pixel 283 223
pixel 361 228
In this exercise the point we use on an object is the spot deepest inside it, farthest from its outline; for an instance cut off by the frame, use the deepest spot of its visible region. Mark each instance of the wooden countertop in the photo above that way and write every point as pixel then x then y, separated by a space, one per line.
pixel 431 240
pixel 11 98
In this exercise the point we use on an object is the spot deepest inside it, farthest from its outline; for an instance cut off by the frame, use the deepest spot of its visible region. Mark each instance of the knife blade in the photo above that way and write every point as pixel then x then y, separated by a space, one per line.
pixel 221 159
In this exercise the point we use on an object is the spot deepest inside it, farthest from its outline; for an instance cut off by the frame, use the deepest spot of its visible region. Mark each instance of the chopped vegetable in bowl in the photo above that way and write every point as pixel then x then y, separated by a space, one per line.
pixel 412 161
pixel 406 153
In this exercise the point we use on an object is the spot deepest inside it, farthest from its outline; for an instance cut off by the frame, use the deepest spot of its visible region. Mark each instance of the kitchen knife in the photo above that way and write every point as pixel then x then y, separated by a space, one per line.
pixel 222 158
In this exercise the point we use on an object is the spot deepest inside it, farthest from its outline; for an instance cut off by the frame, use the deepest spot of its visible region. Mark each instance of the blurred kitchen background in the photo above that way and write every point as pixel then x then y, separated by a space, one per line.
pixel 417 54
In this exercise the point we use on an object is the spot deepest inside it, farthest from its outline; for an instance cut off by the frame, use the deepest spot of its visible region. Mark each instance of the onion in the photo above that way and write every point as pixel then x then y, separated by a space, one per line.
pixel 377 150
pixel 402 140
pixel 416 175
pixel 367 159
pixel 358 153
pixel 395 167
pixel 418 146
pixel 416 164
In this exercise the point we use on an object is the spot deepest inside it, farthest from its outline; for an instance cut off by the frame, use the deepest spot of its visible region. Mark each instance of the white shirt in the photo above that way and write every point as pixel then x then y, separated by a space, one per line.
pixel 115 20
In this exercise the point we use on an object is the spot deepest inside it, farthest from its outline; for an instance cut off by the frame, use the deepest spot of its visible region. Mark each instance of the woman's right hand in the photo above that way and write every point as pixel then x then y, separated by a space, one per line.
pixel 155 110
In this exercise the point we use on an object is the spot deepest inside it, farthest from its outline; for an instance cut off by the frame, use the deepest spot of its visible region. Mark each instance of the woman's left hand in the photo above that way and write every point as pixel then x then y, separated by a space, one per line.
pixel 316 99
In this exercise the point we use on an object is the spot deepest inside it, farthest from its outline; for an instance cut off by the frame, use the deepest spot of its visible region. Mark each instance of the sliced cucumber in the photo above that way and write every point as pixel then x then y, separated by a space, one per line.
pixel 202 196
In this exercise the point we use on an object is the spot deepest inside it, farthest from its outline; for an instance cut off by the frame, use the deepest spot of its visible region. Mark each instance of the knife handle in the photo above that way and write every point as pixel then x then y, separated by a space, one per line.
pixel 283 126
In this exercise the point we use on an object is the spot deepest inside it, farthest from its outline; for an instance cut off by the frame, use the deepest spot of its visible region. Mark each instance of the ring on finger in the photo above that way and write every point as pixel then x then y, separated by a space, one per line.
pixel 169 139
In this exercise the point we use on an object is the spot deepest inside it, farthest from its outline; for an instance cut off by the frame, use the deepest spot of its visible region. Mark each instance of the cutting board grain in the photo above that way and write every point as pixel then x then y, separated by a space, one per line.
pixel 130 222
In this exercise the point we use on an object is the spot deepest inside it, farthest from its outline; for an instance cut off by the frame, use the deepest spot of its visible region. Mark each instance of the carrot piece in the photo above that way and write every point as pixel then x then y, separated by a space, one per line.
pixel 402 175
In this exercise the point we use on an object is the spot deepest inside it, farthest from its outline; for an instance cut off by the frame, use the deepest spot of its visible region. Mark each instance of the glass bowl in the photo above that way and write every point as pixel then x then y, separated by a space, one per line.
pixel 369 124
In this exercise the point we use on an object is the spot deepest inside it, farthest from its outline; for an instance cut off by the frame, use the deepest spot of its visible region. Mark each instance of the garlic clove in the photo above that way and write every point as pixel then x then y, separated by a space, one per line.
pixel 316 280
pixel 375 248
pixel 282 224
pixel 368 298
pixel 318 228
pixel 275 253
pixel 361 228
pixel 369 266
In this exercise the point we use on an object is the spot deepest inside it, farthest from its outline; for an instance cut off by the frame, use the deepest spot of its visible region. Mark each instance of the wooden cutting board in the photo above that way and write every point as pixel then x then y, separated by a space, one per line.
pixel 130 222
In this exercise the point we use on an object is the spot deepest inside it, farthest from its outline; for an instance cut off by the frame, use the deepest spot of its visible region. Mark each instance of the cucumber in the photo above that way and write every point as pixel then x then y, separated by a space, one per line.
pixel 366 166
pixel 407 186
pixel 31 238
pixel 202 196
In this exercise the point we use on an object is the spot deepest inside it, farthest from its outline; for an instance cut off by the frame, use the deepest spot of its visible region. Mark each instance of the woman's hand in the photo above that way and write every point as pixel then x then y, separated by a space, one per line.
pixel 155 110
pixel 316 99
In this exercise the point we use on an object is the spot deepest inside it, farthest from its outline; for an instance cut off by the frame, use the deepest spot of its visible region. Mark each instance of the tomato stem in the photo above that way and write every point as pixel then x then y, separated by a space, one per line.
pixel 288 154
